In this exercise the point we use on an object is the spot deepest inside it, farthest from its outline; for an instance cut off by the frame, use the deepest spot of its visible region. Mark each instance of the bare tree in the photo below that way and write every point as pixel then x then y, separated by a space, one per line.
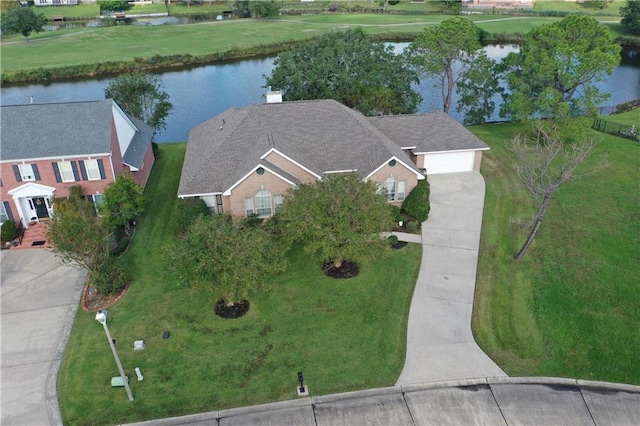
pixel 543 163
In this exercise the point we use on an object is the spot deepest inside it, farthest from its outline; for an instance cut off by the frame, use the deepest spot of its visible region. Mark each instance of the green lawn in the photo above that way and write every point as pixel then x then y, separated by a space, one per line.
pixel 612 8
pixel 344 334
pixel 118 43
pixel 630 118
pixel 571 308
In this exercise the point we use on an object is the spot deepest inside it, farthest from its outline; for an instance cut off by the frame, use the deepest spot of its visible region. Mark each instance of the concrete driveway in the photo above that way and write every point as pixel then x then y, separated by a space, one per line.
pixel 440 345
pixel 39 300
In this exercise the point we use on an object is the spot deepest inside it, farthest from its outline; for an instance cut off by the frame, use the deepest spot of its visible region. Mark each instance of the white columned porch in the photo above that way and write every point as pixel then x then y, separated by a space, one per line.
pixel 24 196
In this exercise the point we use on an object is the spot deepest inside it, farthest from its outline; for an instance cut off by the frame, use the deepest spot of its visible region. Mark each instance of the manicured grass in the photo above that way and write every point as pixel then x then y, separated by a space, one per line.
pixel 98 45
pixel 612 8
pixel 572 306
pixel 344 334
pixel 630 118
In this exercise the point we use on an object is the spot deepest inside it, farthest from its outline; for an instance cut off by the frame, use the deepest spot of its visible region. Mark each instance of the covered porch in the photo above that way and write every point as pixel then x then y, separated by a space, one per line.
pixel 33 202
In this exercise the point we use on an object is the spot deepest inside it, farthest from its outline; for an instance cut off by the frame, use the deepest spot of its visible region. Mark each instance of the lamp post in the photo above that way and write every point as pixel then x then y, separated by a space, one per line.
pixel 101 317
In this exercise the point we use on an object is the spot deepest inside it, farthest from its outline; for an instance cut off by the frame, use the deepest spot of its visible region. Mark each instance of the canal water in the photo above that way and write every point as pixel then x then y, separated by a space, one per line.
pixel 200 93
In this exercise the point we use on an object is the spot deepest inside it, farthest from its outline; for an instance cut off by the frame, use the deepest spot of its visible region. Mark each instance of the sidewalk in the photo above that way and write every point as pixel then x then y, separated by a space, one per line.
pixel 440 345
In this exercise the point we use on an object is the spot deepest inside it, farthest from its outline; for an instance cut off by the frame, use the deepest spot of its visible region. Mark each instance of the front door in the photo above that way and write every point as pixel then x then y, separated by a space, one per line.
pixel 41 207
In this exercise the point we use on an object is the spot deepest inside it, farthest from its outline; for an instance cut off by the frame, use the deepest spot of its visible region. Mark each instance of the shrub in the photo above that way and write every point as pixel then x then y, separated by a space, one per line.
pixel 108 275
pixel 189 209
pixel 8 232
pixel 393 240
pixel 397 214
pixel 251 221
pixel 412 226
pixel 417 204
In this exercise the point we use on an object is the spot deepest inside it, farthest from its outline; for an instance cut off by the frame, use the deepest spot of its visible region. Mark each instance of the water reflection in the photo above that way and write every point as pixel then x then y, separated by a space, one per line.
pixel 200 93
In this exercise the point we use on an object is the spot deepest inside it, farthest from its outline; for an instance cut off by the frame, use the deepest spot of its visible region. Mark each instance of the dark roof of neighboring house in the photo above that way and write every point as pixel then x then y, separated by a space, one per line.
pixel 322 135
pixel 432 132
pixel 65 129
pixel 54 130
pixel 139 144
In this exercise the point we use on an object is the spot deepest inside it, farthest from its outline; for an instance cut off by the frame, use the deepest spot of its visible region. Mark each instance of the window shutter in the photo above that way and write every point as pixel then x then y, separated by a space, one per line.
pixel 74 168
pixel 56 172
pixel 83 170
pixel 7 208
pixel 16 171
pixel 36 173
pixel 101 169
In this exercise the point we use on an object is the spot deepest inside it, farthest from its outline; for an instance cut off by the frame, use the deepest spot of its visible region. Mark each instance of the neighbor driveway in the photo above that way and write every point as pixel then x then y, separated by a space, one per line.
pixel 39 300
pixel 440 345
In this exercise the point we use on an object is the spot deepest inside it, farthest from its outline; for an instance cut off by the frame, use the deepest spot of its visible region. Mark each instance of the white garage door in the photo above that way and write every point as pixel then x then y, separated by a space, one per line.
pixel 450 162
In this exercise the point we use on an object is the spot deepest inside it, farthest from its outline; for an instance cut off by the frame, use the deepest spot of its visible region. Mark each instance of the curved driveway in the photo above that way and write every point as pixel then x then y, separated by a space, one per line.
pixel 440 345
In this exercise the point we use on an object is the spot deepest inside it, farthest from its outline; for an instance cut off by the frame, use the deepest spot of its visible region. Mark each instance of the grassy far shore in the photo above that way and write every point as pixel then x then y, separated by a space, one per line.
pixel 344 334
pixel 219 40
pixel 571 307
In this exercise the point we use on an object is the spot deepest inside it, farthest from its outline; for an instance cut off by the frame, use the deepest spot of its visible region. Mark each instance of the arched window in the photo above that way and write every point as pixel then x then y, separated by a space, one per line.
pixel 263 203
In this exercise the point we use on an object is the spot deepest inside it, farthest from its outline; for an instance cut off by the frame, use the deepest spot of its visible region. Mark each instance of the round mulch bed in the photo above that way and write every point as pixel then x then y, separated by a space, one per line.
pixel 399 245
pixel 238 309
pixel 348 269
pixel 92 301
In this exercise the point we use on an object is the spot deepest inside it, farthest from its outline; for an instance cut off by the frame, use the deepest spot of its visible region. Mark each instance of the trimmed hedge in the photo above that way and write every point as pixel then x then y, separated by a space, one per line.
pixel 8 232
pixel 189 209
pixel 417 204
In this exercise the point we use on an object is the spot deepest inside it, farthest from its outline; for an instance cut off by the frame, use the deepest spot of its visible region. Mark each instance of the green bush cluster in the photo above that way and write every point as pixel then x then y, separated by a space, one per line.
pixel 8 232
pixel 189 209
pixel 398 216
pixel 109 275
pixel 417 204
pixel 412 227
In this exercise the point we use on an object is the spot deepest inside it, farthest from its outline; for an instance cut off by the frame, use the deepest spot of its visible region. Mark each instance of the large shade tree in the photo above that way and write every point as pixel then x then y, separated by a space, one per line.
pixel 445 52
pixel 22 20
pixel 338 218
pixel 141 95
pixel 349 67
pixel 631 16
pixel 554 72
pixel 226 260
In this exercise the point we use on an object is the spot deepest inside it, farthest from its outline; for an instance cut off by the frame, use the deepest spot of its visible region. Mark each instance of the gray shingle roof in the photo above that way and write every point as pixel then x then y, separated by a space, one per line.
pixel 66 129
pixel 139 144
pixel 55 130
pixel 322 135
pixel 431 132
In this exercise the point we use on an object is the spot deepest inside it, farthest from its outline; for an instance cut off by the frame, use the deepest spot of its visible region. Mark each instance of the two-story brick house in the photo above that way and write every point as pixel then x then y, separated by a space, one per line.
pixel 46 148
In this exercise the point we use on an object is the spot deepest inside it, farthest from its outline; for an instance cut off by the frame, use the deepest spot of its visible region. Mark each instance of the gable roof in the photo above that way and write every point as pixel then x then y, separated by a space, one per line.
pixel 323 135
pixel 139 144
pixel 66 129
pixel 432 132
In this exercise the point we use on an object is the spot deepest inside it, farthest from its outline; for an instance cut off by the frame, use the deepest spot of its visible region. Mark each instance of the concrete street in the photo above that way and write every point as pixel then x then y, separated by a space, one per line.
pixel 500 401
pixel 39 299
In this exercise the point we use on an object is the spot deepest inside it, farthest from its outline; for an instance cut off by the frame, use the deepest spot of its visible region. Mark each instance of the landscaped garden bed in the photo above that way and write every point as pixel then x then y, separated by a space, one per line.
pixel 344 334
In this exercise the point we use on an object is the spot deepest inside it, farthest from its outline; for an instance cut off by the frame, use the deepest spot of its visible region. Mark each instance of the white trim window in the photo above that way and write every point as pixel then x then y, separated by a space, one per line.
pixel 248 206
pixel 263 203
pixel 66 171
pixel 26 172
pixel 93 172
pixel 395 190
pixel 4 216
